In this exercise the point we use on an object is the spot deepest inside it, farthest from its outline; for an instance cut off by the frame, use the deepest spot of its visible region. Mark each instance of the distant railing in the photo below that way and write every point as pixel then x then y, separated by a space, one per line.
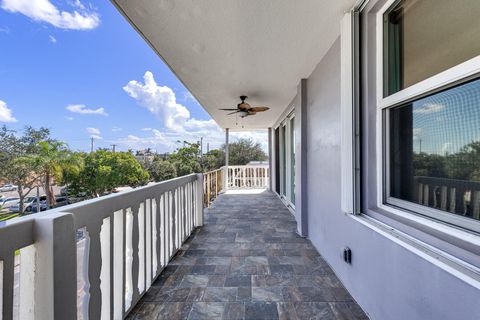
pixel 456 196
pixel 236 177
pixel 244 177
pixel 213 185
pixel 95 259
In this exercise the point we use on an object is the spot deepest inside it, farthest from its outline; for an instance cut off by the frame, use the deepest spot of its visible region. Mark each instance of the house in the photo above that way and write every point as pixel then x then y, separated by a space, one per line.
pixel 373 123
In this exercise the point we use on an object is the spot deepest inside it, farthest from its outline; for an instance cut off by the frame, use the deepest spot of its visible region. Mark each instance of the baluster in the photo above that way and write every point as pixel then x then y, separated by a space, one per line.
pixel 443 198
pixel 7 267
pixel 101 299
pixel 453 200
pixel 426 194
pixel 475 203
pixel 128 258
pixel 459 201
pixel 420 193
pixel 156 236
pixel 117 264
pixel 435 197
pixel 148 243
pixel 141 248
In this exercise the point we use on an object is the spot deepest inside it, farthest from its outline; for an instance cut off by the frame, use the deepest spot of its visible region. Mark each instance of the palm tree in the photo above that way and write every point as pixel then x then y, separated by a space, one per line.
pixel 51 158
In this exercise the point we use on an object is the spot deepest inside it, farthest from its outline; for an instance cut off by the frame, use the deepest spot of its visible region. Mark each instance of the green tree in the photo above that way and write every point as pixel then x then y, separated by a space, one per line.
pixel 51 158
pixel 161 170
pixel 243 151
pixel 214 159
pixel 187 159
pixel 103 171
pixel 17 161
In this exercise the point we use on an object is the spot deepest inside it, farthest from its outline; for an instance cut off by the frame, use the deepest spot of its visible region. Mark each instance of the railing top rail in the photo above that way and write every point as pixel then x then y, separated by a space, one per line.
pixel 251 166
pixel 213 171
pixel 447 181
pixel 15 234
pixel 109 203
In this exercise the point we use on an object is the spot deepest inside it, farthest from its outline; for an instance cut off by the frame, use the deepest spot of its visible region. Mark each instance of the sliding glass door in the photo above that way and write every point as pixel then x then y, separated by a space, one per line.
pixel 286 159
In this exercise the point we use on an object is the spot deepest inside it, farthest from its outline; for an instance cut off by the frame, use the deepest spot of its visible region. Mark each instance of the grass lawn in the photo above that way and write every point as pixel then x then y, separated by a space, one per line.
pixel 6 216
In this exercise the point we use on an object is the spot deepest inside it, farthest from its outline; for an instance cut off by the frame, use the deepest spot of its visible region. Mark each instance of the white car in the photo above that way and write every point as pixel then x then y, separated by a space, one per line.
pixel 6 203
pixel 8 187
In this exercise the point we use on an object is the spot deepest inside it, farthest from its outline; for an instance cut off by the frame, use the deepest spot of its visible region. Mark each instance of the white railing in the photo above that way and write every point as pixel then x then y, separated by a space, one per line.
pixel 95 259
pixel 243 177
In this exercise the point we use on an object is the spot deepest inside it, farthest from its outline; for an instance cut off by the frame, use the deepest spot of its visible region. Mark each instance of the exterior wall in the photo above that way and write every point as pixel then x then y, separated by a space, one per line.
pixel 389 278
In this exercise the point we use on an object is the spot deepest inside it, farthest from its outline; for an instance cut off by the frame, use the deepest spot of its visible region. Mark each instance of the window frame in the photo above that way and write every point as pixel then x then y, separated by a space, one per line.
pixel 285 133
pixel 453 76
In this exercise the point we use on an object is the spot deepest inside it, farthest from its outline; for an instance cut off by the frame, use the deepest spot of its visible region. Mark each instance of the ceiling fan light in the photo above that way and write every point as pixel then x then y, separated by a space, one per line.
pixel 242 114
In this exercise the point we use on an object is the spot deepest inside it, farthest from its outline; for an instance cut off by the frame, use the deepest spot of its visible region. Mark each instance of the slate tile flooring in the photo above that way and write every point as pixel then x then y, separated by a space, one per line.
pixel 247 262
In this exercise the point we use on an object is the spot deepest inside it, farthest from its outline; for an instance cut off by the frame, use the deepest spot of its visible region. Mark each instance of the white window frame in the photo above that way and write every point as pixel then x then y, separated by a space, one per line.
pixel 285 165
pixel 449 77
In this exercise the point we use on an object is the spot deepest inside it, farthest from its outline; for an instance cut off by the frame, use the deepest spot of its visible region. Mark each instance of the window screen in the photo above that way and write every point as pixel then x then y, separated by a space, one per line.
pixel 434 150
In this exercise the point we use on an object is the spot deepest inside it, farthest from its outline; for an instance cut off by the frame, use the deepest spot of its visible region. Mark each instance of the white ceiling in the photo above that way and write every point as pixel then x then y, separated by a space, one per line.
pixel 227 48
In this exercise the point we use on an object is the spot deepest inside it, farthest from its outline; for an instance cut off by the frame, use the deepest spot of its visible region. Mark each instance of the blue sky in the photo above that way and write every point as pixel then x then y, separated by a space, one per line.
pixel 81 70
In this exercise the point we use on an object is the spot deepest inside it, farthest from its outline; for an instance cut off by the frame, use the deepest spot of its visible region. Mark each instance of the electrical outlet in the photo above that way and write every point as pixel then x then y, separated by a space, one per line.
pixel 347 255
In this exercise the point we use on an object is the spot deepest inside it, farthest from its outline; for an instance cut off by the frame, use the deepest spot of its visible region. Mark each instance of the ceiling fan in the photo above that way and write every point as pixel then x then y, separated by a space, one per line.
pixel 244 109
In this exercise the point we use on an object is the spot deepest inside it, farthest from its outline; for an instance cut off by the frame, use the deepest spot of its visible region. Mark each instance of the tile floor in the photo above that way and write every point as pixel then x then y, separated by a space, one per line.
pixel 247 262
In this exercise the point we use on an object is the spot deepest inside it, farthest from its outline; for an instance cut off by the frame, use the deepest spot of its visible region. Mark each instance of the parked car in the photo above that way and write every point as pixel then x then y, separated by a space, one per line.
pixel 8 187
pixel 61 201
pixel 7 202
pixel 30 204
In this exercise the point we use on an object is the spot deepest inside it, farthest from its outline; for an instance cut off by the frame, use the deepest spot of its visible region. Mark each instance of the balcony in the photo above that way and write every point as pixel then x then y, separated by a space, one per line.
pixel 150 253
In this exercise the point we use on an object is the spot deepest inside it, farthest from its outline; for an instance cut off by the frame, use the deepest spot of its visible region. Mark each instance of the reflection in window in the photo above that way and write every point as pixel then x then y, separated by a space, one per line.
pixel 424 38
pixel 434 157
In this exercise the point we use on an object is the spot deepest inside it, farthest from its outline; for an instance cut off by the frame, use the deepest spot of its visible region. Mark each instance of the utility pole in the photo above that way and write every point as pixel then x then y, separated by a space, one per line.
pixel 113 147
pixel 91 145
pixel 208 147
pixel 201 152
pixel 420 145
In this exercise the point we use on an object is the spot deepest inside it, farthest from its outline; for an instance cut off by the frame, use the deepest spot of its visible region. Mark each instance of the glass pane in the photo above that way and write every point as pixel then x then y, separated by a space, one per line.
pixel 284 160
pixel 292 161
pixel 423 38
pixel 435 150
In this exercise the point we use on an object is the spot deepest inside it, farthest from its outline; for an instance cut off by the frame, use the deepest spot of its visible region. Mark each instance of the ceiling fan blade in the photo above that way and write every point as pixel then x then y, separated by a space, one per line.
pixel 229 109
pixel 251 113
pixel 259 109
pixel 232 113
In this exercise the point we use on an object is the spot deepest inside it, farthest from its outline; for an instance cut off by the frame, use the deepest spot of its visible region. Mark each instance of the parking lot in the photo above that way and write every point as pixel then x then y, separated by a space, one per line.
pixel 33 193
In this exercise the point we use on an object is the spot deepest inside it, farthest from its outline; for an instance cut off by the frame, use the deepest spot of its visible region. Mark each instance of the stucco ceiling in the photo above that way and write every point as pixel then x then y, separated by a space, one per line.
pixel 227 48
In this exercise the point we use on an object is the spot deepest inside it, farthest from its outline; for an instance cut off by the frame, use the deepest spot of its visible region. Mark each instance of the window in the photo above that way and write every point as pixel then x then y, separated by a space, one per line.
pixel 286 159
pixel 283 159
pixel 431 124
pixel 292 160
pixel 424 38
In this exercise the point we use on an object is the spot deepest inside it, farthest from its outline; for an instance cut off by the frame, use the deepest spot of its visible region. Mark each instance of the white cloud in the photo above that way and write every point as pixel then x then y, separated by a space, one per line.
pixel 116 129
pixel 4 29
pixel 447 146
pixel 45 11
pixel 429 108
pixel 93 130
pixel 82 109
pixel 52 39
pixel 69 118
pixel 6 113
pixel 94 133
pixel 177 121
pixel 160 101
